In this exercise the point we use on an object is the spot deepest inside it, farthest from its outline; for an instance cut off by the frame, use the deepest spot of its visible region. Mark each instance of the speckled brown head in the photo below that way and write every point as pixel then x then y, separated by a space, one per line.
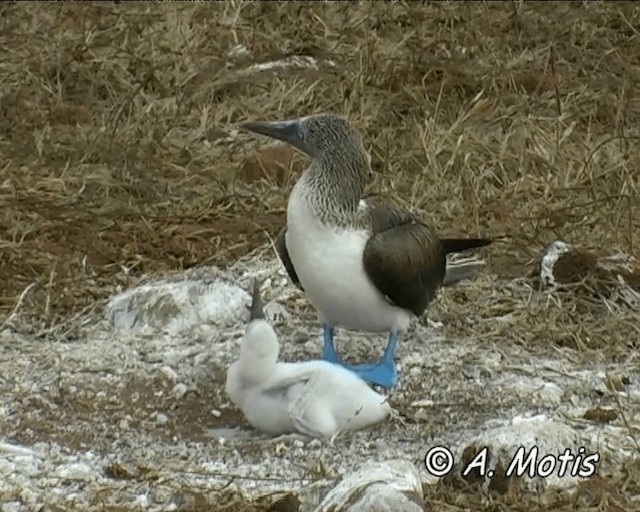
pixel 340 164
pixel 316 136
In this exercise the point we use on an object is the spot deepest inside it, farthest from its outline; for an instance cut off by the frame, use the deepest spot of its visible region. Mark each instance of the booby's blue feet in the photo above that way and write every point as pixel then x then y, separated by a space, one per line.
pixel 383 373
pixel 329 353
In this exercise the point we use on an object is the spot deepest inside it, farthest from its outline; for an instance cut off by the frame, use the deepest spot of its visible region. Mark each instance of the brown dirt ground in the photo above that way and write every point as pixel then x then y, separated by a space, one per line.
pixel 118 156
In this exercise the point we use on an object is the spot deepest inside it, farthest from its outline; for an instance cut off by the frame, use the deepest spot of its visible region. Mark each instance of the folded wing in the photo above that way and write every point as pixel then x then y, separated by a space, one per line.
pixel 404 258
pixel 283 253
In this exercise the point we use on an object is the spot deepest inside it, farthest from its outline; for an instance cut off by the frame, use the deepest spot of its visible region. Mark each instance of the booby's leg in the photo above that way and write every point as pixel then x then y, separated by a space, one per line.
pixel 383 373
pixel 389 352
pixel 329 353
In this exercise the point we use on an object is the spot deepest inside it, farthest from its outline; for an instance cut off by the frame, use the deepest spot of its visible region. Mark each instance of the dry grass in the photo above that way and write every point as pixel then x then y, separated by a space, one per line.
pixel 119 156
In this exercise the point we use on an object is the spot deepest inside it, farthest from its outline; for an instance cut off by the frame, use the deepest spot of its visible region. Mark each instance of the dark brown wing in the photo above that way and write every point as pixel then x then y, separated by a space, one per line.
pixel 404 258
pixel 283 253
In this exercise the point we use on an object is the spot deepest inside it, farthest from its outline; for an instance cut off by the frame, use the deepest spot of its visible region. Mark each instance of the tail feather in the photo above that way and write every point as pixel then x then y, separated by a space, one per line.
pixel 462 270
pixel 463 244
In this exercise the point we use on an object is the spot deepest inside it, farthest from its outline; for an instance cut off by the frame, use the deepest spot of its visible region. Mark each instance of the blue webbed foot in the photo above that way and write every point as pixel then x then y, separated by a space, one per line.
pixel 383 372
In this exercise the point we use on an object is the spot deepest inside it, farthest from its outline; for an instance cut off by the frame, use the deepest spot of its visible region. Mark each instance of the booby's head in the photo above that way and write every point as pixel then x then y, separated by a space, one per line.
pixel 313 135
pixel 334 146
pixel 260 348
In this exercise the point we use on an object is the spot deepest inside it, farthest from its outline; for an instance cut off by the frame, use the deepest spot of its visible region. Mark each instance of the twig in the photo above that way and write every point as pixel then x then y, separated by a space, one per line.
pixel 67 321
pixel 17 306
pixel 603 143
pixel 220 474
pixel 622 414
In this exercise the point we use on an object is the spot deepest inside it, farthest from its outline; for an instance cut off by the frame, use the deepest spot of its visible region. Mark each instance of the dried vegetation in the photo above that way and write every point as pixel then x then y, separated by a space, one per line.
pixel 120 155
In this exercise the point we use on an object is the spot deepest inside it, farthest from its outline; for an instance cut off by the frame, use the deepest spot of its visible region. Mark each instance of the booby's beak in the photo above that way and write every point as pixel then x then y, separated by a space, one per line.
pixel 257 313
pixel 290 132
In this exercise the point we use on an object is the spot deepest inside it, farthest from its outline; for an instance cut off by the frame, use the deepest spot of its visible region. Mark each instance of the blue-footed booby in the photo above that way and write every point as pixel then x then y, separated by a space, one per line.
pixel 313 398
pixel 363 266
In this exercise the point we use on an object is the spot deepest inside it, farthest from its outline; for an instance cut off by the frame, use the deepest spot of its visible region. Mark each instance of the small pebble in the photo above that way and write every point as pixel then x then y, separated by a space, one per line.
pixel 169 373
pixel 551 393
pixel 179 390
pixel 161 495
pixel 161 419
pixel 141 499
pixel 12 506
pixel 75 471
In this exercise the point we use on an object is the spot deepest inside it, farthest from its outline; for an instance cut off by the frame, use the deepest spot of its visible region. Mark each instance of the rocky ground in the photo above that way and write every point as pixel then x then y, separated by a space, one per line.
pixel 130 410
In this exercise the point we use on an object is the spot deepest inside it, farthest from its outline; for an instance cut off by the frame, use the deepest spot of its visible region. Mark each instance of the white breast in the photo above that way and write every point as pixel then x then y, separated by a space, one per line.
pixel 328 262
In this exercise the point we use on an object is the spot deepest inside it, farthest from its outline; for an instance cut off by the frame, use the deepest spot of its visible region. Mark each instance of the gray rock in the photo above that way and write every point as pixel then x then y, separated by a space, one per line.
pixel 529 452
pixel 392 486
pixel 176 304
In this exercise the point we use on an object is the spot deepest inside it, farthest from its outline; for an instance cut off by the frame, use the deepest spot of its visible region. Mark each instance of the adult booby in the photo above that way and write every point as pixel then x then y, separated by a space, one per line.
pixel 313 398
pixel 363 266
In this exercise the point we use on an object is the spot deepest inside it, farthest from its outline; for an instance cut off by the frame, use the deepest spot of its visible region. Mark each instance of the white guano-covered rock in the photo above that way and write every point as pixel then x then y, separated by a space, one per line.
pixel 530 451
pixel 177 304
pixel 392 486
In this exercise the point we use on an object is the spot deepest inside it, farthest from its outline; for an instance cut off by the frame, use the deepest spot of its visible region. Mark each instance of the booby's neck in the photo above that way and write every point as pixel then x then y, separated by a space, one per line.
pixel 258 352
pixel 333 186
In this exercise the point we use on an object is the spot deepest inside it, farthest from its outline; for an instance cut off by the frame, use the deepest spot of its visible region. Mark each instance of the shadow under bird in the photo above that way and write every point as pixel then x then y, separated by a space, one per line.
pixel 313 398
pixel 363 265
